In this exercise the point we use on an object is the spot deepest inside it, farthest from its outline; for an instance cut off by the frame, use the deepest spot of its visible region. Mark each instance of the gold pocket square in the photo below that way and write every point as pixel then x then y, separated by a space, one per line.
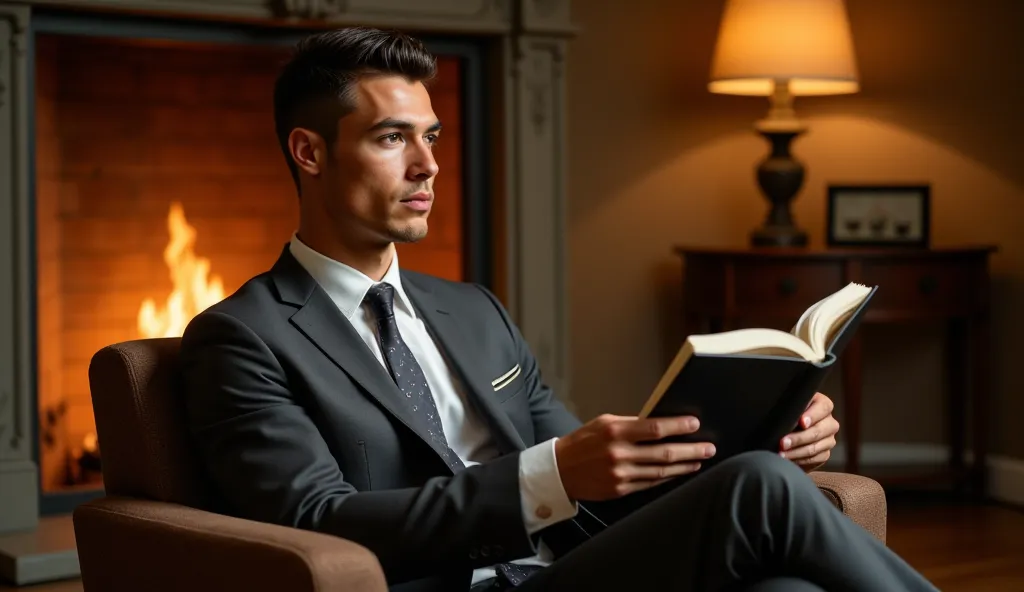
pixel 506 378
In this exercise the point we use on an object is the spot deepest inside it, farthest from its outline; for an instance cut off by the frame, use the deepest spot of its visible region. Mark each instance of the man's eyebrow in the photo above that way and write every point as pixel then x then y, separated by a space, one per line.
pixel 390 123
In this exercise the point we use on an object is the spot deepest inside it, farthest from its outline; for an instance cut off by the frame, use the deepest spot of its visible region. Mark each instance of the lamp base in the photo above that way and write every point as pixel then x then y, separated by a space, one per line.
pixel 780 177
pixel 778 236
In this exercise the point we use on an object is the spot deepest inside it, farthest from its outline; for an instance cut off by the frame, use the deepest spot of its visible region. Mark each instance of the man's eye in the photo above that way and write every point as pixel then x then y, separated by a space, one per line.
pixel 432 139
pixel 393 138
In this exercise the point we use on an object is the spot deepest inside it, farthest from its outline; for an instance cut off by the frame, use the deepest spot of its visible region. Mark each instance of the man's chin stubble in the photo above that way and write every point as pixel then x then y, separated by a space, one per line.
pixel 408 235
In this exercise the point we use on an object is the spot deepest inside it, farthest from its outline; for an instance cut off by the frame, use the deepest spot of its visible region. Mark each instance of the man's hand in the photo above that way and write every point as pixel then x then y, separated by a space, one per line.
pixel 811 447
pixel 605 459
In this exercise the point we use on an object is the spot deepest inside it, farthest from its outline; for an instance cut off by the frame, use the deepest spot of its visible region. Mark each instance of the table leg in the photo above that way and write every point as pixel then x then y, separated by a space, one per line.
pixel 957 359
pixel 852 387
pixel 978 338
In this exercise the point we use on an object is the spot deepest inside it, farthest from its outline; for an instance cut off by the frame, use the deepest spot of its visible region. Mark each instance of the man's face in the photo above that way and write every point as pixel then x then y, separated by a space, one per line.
pixel 380 176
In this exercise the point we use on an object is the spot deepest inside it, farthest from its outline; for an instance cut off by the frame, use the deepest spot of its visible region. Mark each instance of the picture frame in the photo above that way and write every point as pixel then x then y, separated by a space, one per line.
pixel 879 215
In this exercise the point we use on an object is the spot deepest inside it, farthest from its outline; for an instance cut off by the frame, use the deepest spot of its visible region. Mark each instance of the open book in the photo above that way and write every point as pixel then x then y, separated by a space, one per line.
pixel 748 386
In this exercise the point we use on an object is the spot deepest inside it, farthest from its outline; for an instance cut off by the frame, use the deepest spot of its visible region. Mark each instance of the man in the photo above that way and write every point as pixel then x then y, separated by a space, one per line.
pixel 339 394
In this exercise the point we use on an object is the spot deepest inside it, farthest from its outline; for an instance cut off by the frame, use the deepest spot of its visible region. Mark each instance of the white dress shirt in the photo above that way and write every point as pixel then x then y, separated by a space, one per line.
pixel 544 501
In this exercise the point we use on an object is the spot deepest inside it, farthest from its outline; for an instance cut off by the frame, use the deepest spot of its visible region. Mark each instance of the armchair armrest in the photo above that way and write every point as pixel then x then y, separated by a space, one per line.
pixel 860 498
pixel 128 544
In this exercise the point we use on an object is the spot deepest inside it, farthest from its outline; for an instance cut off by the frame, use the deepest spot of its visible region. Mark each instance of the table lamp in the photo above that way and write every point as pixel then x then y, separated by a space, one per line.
pixel 782 49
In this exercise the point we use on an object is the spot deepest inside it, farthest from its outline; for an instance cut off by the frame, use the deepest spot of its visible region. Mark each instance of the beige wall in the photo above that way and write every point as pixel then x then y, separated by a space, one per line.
pixel 655 160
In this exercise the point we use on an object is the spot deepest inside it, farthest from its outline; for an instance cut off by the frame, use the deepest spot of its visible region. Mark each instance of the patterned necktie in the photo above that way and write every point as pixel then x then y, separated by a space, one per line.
pixel 408 375
pixel 405 370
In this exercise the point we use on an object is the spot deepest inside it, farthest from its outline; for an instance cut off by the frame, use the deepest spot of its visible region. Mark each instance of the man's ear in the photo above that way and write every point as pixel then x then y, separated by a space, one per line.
pixel 308 150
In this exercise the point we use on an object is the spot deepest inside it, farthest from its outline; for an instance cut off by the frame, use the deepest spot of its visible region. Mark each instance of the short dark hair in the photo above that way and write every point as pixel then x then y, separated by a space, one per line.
pixel 314 89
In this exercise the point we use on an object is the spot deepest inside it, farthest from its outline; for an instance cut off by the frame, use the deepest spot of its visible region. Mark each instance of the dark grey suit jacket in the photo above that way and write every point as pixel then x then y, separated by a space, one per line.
pixel 299 424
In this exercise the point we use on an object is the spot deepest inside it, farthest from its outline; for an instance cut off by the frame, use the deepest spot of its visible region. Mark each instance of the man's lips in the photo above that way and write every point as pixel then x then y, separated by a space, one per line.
pixel 418 201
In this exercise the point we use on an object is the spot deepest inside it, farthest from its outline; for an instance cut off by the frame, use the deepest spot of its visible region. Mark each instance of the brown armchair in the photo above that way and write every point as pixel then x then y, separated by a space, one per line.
pixel 156 528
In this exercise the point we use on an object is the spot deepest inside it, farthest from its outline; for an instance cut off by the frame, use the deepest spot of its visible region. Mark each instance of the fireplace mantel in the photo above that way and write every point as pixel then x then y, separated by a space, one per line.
pixel 528 78
pixel 521 18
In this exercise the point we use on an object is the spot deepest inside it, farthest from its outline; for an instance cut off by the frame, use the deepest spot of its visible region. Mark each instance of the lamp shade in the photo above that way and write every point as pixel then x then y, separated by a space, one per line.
pixel 806 42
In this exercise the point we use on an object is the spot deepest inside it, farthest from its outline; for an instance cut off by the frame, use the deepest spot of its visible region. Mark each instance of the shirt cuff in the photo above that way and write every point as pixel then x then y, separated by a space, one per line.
pixel 544 501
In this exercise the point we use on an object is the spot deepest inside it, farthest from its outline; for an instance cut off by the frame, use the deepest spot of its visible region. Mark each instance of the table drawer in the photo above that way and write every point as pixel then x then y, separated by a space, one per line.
pixel 921 287
pixel 785 287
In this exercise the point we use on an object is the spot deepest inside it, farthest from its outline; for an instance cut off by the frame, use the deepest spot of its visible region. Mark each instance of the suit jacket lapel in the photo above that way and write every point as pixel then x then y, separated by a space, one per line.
pixel 322 323
pixel 449 335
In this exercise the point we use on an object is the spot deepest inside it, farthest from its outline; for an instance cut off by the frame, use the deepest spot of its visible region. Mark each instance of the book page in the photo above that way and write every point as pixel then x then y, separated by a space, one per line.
pixel 802 329
pixel 830 314
pixel 753 342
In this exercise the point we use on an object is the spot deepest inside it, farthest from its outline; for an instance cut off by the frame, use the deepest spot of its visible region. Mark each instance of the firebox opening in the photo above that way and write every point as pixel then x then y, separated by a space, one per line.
pixel 159 189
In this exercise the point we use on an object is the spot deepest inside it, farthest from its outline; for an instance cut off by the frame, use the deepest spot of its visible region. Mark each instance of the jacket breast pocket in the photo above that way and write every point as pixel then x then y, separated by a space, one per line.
pixel 508 384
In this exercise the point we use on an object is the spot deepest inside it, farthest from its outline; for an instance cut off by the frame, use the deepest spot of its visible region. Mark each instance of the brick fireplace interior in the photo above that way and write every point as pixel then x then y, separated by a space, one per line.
pixel 159 188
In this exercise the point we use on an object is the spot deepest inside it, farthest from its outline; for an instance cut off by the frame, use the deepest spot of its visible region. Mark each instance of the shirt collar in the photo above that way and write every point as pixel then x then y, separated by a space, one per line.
pixel 346 285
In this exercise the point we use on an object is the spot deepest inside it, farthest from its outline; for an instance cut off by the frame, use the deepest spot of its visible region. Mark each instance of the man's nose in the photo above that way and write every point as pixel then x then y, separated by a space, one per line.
pixel 423 165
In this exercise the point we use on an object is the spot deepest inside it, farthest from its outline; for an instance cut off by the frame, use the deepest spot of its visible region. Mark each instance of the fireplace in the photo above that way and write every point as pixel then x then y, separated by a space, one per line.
pixel 160 189
pixel 140 181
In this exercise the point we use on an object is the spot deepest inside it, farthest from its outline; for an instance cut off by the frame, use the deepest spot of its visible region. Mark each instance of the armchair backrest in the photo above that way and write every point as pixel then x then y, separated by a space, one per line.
pixel 140 423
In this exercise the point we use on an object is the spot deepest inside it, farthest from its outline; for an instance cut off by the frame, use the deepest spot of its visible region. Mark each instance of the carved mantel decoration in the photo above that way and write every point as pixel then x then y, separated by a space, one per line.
pixel 530 38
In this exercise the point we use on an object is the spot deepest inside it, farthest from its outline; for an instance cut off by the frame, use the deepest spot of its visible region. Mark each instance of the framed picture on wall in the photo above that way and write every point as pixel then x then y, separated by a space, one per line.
pixel 879 215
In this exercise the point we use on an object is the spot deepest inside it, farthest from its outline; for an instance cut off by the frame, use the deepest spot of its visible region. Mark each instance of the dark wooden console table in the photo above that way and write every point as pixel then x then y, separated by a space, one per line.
pixel 731 288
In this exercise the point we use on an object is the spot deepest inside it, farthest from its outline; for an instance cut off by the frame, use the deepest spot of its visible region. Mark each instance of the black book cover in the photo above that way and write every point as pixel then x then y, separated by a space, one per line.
pixel 749 402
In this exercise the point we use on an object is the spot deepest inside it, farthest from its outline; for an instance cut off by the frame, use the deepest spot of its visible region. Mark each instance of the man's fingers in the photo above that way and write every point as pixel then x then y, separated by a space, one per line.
pixel 810 450
pixel 635 486
pixel 820 408
pixel 800 439
pixel 642 484
pixel 660 472
pixel 653 428
pixel 816 460
pixel 819 431
pixel 666 453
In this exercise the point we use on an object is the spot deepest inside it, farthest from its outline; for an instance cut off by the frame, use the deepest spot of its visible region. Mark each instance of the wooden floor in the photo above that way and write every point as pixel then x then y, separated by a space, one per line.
pixel 959 547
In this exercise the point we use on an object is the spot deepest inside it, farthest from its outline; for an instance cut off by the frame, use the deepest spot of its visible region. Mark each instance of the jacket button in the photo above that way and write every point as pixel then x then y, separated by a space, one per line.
pixel 498 549
pixel 473 554
pixel 485 551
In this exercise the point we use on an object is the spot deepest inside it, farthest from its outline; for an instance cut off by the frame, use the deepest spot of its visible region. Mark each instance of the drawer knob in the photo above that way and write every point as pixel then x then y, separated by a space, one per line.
pixel 928 284
pixel 787 286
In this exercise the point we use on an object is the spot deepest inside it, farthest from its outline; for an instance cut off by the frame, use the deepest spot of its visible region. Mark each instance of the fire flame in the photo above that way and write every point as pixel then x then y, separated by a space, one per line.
pixel 192 292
